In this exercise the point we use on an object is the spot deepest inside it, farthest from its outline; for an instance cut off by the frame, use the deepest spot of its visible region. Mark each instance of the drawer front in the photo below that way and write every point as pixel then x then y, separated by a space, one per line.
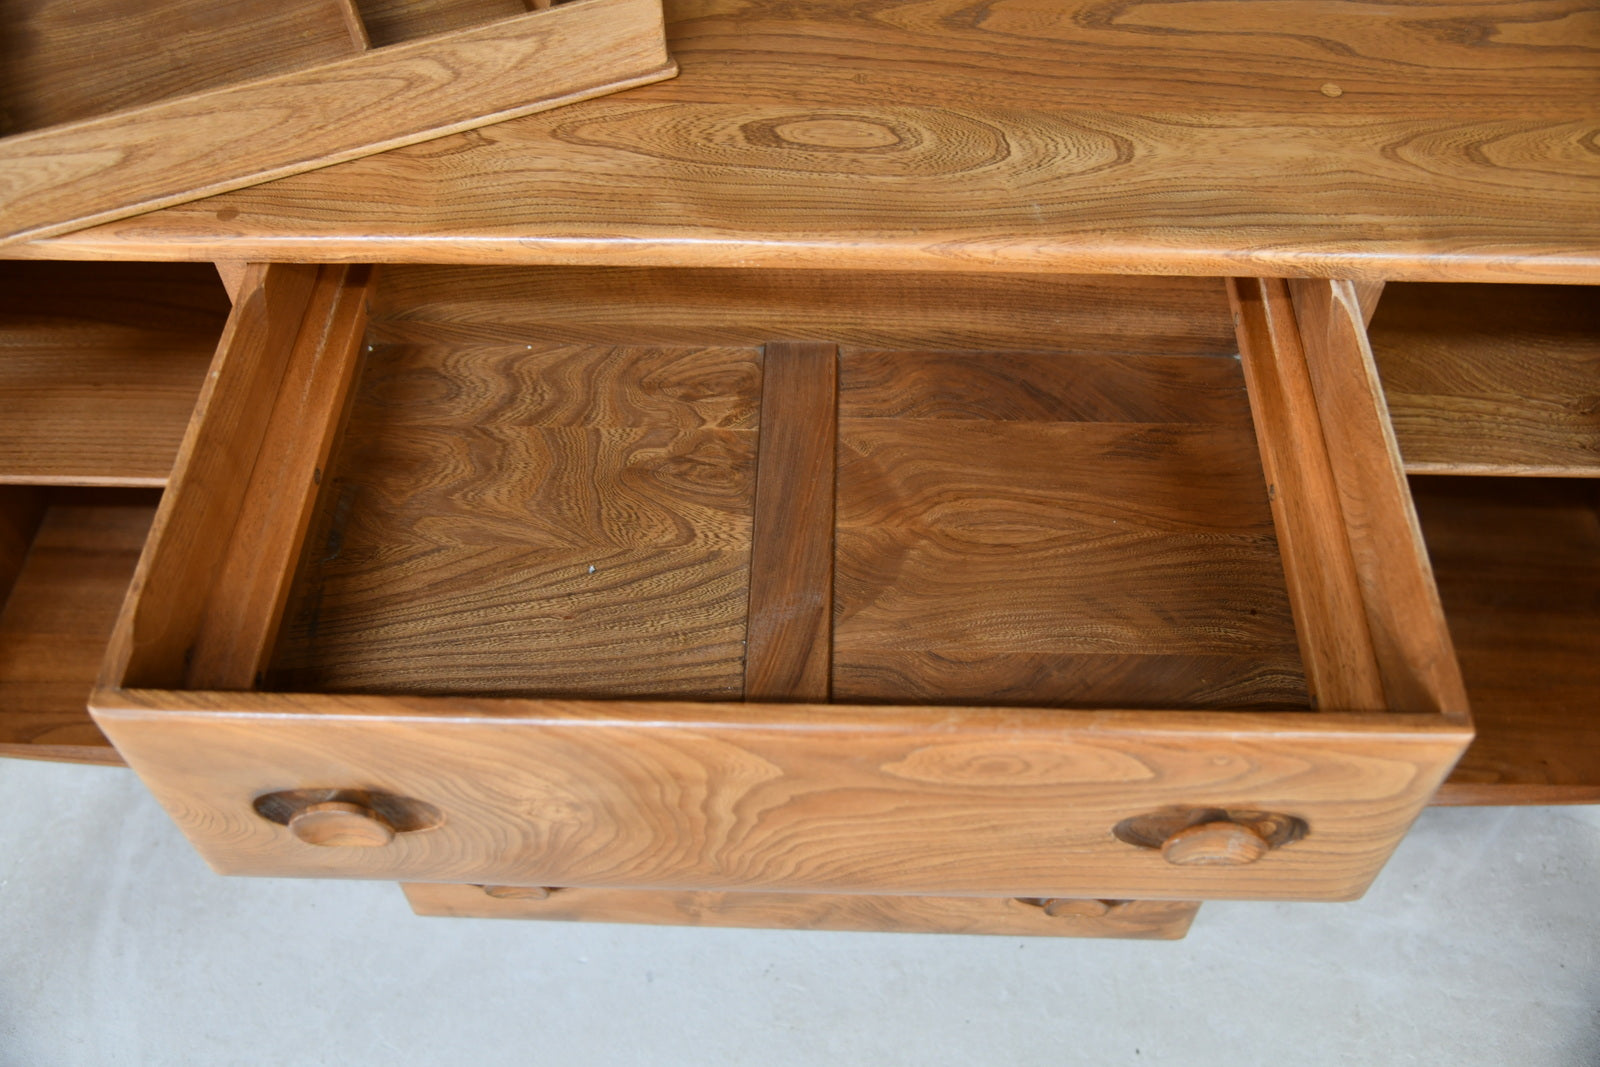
pixel 780 797
pixel 1144 920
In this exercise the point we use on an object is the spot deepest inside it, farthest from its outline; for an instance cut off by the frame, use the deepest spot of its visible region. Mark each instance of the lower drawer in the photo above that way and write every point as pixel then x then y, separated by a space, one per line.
pixel 971 586
pixel 1154 920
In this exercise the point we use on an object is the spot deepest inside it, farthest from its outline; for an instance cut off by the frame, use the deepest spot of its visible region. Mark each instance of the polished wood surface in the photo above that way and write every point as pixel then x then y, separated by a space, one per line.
pixel 1492 379
pixel 876 309
pixel 58 612
pixel 251 590
pixel 789 634
pixel 1518 565
pixel 1139 919
pixel 100 365
pixel 556 519
pixel 340 824
pixel 66 61
pixel 62 178
pixel 1410 640
pixel 1049 529
pixel 1193 138
pixel 1324 585
pixel 784 797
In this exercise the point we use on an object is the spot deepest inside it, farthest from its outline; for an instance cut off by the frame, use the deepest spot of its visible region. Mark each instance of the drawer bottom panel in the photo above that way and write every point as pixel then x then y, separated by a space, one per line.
pixel 1155 920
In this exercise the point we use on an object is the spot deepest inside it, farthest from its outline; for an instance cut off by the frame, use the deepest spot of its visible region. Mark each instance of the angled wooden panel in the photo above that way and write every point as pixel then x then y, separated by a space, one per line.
pixel 1160 920
pixel 65 177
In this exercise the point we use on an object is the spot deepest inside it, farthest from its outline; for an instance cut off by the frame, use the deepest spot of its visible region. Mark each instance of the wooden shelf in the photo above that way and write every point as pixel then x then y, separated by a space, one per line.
pixel 1419 140
pixel 100 365
pixel 1492 380
pixel 1518 567
pixel 67 559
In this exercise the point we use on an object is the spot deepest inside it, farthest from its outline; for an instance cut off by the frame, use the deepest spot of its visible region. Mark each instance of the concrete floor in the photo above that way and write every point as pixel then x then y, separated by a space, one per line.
pixel 1480 944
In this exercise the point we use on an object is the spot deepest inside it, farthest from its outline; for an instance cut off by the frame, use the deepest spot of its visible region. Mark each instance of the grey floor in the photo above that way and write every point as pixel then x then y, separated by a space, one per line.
pixel 1480 944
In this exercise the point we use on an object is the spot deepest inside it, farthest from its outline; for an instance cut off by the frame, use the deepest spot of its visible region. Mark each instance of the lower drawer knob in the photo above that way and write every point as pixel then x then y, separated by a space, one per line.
pixel 341 824
pixel 518 892
pixel 1215 844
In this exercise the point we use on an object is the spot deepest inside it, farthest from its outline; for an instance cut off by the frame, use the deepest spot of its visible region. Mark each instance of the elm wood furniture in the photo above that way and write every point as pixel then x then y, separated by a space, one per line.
pixel 1428 141
pixel 222 95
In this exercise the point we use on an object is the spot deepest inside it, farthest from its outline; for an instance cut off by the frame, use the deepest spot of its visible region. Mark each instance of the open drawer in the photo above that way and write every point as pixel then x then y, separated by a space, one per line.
pixel 804 582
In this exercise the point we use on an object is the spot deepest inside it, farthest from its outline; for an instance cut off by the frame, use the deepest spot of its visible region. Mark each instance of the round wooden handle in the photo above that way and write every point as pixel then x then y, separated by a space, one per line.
pixel 517 892
pixel 340 824
pixel 1215 844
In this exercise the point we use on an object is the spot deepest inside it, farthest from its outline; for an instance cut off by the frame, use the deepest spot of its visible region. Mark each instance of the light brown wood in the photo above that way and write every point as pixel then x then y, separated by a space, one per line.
pixel 784 797
pixel 534 519
pixel 99 369
pixel 1043 528
pixel 65 177
pixel 1141 919
pixel 789 632
pixel 1368 293
pixel 339 824
pixel 1324 587
pixel 1492 380
pixel 1139 137
pixel 246 605
pixel 873 309
pixel 1518 565
pixel 81 547
pixel 517 892
pixel 1409 637
pixel 194 525
pixel 392 21
pixel 1214 844
pixel 232 273
pixel 67 61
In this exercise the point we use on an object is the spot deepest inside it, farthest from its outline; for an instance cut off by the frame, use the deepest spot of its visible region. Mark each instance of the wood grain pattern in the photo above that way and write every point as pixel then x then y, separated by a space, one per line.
pixel 1141 136
pixel 55 624
pixel 1404 618
pixel 247 602
pixel 1336 643
pixel 1492 381
pixel 877 309
pixel 1162 920
pixel 62 61
pixel 784 797
pixel 392 21
pixel 1518 566
pixel 789 632
pixel 66 177
pixel 96 383
pixel 534 518
pixel 194 525
pixel 1078 518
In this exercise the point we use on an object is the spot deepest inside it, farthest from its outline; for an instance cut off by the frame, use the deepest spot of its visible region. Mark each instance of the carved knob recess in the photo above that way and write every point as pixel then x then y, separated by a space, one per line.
pixel 1211 837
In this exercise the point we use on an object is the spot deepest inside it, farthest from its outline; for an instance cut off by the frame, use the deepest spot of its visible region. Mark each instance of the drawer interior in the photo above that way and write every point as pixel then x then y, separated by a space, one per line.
pixel 548 484
pixel 100 365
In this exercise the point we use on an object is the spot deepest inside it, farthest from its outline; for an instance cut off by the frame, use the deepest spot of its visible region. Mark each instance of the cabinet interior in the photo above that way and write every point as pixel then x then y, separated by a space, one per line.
pixel 1493 390
pixel 1044 491
pixel 99 368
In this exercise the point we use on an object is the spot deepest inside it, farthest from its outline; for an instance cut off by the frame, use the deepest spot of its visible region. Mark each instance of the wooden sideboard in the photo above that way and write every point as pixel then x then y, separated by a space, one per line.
pixel 873 480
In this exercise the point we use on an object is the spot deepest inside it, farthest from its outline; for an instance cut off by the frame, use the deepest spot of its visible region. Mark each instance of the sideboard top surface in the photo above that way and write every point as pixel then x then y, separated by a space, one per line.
pixel 1417 139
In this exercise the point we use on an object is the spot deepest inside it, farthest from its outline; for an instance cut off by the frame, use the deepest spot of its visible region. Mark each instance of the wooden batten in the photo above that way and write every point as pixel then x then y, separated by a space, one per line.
pixel 65 177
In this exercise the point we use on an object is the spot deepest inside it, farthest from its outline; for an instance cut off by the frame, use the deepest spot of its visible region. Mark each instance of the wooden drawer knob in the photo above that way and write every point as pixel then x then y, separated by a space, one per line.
pixel 1215 844
pixel 517 892
pixel 341 824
